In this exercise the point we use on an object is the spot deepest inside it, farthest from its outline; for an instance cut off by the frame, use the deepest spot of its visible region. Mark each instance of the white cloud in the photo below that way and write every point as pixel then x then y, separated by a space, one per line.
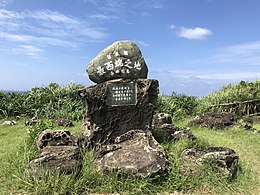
pixel 194 33
pixel 99 16
pixel 241 54
pixel 152 4
pixel 171 26
pixel 196 82
pixel 30 50
pixel 142 43
pixel 53 16
pixel 246 54
pixel 46 28
pixel 5 2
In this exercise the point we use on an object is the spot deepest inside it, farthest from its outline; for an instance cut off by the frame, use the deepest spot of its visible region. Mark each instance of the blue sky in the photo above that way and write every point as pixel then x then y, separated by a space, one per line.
pixel 190 46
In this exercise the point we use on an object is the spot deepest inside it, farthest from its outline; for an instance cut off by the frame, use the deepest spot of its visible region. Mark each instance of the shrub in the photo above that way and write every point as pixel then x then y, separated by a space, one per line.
pixel 241 99
pixel 177 105
pixel 50 102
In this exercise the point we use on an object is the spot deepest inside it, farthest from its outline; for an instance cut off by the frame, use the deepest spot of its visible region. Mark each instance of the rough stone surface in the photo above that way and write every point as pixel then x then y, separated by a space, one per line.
pixel 122 59
pixel 249 128
pixel 214 120
pixel 162 118
pixel 136 153
pixel 31 122
pixel 56 138
pixel 226 159
pixel 10 123
pixel 64 122
pixel 169 132
pixel 65 159
pixel 163 130
pixel 103 123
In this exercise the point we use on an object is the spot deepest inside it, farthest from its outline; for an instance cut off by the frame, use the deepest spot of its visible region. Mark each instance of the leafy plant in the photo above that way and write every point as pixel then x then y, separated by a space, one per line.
pixel 177 105
pixel 50 102
pixel 241 99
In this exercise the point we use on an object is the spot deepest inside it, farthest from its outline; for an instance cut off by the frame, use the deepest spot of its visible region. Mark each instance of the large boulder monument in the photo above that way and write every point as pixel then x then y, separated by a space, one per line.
pixel 120 110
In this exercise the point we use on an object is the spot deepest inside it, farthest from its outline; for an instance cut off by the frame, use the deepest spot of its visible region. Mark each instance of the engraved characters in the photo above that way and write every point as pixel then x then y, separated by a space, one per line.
pixel 118 65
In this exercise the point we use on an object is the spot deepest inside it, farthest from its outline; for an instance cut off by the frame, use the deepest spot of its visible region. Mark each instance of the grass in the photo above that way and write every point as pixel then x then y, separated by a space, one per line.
pixel 15 155
pixel 246 144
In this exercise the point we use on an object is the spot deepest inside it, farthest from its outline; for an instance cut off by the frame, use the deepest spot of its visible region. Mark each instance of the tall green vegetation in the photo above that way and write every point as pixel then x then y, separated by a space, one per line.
pixel 50 102
pixel 241 99
pixel 177 105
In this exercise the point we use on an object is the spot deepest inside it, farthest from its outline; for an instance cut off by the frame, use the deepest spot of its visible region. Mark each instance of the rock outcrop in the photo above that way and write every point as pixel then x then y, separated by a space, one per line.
pixel 214 120
pixel 58 151
pixel 164 130
pixel 225 158
pixel 136 153
pixel 64 122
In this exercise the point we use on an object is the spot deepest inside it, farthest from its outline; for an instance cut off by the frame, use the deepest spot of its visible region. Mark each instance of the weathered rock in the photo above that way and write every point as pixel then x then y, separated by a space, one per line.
pixel 64 122
pixel 122 59
pixel 136 153
pixel 31 122
pixel 225 158
pixel 56 138
pixel 10 123
pixel 249 128
pixel 162 118
pixel 183 133
pixel 251 119
pixel 169 132
pixel 107 119
pixel 65 159
pixel 217 120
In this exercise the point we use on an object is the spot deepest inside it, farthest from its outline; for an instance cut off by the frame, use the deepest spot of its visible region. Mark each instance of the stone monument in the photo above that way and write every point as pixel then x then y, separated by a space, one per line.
pixel 119 114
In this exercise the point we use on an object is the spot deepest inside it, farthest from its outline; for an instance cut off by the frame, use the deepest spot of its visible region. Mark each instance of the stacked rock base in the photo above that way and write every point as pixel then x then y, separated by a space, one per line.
pixel 118 126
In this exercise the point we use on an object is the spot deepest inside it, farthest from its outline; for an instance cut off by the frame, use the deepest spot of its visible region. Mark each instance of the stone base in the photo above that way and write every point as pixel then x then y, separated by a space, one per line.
pixel 107 119
pixel 139 155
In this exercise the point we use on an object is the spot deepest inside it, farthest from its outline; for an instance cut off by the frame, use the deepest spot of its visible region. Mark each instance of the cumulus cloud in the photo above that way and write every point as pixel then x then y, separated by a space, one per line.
pixel 194 33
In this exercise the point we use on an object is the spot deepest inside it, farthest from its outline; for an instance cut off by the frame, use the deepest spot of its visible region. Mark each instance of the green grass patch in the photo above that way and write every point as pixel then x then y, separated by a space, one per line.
pixel 18 150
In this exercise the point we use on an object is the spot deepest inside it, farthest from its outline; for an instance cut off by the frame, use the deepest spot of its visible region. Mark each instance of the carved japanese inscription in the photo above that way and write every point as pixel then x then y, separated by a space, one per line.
pixel 121 94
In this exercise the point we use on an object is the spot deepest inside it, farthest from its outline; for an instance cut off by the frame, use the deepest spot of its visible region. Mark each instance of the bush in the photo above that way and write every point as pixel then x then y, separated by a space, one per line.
pixel 241 99
pixel 50 102
pixel 177 105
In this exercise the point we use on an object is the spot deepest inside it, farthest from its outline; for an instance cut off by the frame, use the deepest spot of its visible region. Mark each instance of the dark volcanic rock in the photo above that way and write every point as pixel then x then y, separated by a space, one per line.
pixel 225 158
pixel 122 59
pixel 168 132
pixel 64 122
pixel 104 121
pixel 162 118
pixel 217 120
pixel 163 130
pixel 135 152
pixel 65 159
pixel 31 122
pixel 56 138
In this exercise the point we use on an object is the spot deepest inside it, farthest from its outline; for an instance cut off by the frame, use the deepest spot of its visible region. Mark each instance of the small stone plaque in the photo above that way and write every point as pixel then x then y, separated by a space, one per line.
pixel 121 94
